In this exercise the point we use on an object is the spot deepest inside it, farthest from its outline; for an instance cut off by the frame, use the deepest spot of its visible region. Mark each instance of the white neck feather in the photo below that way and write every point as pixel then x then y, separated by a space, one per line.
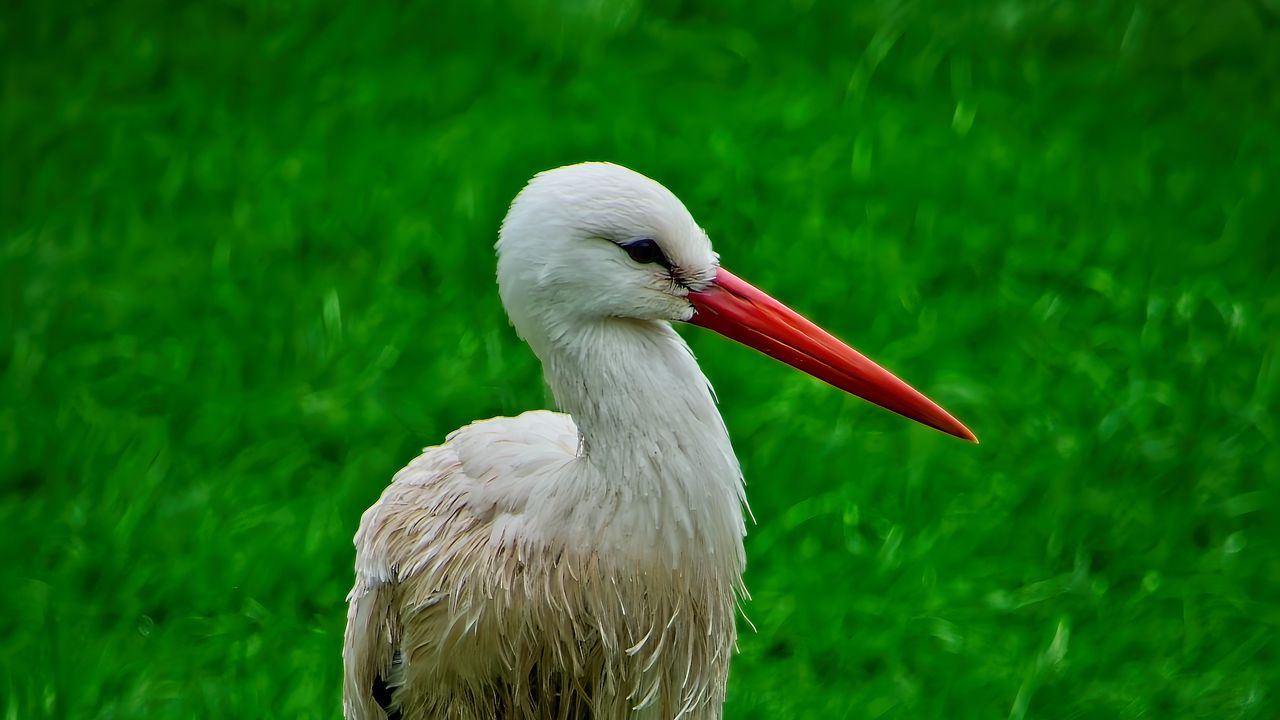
pixel 657 467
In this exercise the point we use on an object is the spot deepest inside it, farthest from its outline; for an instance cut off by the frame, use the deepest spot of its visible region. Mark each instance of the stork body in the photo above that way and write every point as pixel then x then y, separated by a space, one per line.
pixel 579 565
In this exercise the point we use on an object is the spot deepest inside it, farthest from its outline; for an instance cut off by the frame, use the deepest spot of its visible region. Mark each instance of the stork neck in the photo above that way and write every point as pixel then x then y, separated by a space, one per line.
pixel 656 473
pixel 637 396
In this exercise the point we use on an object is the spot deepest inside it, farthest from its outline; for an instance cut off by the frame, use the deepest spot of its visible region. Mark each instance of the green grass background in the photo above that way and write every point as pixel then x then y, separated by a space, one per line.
pixel 246 272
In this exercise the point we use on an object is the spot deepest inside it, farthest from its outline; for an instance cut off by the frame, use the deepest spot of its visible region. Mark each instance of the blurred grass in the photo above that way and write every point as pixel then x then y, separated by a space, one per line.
pixel 246 273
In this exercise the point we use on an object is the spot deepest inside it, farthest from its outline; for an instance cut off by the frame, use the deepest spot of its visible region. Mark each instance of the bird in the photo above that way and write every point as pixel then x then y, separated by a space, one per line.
pixel 585 563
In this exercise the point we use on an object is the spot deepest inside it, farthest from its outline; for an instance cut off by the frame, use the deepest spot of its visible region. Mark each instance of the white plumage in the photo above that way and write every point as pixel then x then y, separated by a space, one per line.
pixel 580 565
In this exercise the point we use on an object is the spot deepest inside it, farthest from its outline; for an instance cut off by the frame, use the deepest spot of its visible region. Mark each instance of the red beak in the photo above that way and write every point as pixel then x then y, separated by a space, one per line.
pixel 735 309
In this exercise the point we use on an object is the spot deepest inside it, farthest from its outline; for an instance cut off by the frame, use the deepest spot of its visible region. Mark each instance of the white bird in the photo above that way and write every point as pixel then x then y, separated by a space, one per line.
pixel 588 564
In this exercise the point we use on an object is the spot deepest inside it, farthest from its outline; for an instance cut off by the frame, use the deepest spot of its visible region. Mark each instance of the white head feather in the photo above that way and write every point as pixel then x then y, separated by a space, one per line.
pixel 560 260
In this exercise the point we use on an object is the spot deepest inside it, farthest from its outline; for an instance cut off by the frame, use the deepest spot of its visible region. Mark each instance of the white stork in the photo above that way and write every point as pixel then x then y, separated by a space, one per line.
pixel 584 564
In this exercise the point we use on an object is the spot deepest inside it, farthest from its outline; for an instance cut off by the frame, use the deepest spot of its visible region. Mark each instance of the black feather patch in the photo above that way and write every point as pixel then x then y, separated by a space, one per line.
pixel 382 696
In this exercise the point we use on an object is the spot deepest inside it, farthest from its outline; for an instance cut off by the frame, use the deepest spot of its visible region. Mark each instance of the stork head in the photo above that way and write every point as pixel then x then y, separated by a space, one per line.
pixel 594 241
pixel 598 240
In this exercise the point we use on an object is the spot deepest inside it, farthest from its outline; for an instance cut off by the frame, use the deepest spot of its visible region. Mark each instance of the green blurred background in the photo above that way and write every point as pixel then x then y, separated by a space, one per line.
pixel 247 272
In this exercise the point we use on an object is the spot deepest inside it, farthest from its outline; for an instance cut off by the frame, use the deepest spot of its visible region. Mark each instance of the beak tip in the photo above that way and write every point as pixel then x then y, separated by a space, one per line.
pixel 946 423
pixel 963 433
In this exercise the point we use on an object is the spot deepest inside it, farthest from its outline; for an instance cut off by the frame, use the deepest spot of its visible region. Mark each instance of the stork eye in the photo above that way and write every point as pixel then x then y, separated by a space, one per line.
pixel 645 251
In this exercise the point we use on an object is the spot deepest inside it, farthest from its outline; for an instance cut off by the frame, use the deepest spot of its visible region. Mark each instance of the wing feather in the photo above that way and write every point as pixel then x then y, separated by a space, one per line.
pixel 416 544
